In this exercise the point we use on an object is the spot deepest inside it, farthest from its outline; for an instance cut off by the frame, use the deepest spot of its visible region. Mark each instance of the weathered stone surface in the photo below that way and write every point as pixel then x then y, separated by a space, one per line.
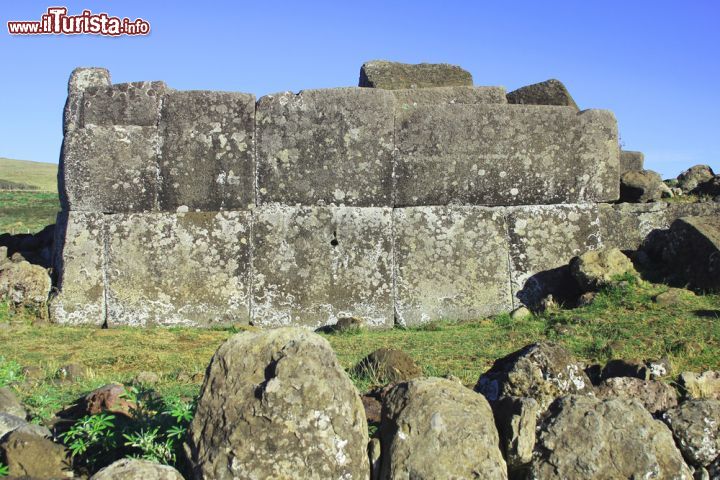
pixel 449 95
pixel 641 186
pixel 549 92
pixel 450 263
pixel 436 428
pixel 136 103
pixel 10 423
pixel 694 176
pixel 695 424
pixel 516 420
pixel 543 239
pixel 626 225
pixel 396 75
pixel 288 411
pixel 542 371
pixel 655 396
pixel 321 147
pixel 178 268
pixel 693 251
pixel 588 438
pixel 28 455
pixel 504 155
pixel 388 366
pixel 631 161
pixel 710 188
pixel 700 385
pixel 23 283
pixel 136 469
pixel 78 262
pixel 110 169
pixel 81 79
pixel 313 265
pixel 10 404
pixel 595 269
pixel 207 159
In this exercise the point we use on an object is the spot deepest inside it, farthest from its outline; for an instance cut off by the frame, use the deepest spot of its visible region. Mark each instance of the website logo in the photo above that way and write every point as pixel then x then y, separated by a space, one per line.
pixel 57 22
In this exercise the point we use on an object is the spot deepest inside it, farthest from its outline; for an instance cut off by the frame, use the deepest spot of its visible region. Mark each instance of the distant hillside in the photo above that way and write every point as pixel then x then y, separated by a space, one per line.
pixel 27 175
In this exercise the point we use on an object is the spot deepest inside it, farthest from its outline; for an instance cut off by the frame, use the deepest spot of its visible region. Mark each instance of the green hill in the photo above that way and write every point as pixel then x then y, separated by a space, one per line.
pixel 27 175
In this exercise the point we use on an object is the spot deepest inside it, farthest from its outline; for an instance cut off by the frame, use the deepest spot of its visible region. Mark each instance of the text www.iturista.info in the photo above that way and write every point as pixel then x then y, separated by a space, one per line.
pixel 57 22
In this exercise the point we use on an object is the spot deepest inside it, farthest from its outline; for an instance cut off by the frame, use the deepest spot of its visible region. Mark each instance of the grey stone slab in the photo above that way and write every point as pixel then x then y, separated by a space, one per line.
pixel 314 265
pixel 543 240
pixel 449 95
pixel 81 79
pixel 451 263
pixel 505 155
pixel 79 266
pixel 136 103
pixel 396 75
pixel 549 92
pixel 626 225
pixel 110 169
pixel 178 268
pixel 631 161
pixel 207 159
pixel 323 147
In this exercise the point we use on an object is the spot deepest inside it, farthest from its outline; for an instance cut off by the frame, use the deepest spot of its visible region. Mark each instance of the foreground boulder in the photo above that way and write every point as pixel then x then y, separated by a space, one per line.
pixel 692 251
pixel 396 75
pixel 654 395
pixel 10 404
pixel 276 404
pixel 10 423
pixel 595 269
pixel 29 455
pixel 641 186
pixel 696 427
pixel 549 92
pixel 694 176
pixel 135 469
pixel 516 420
pixel 23 283
pixel 436 428
pixel 543 371
pixel 588 438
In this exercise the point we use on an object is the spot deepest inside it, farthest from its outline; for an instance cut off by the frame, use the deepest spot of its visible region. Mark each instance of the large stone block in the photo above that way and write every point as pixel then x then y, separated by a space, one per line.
pixel 543 240
pixel 396 75
pixel 178 268
pixel 110 169
pixel 207 160
pixel 449 95
pixel 549 92
pixel 505 155
pixel 136 103
pixel 323 147
pixel 79 266
pixel 626 225
pixel 314 265
pixel 631 161
pixel 80 80
pixel 450 263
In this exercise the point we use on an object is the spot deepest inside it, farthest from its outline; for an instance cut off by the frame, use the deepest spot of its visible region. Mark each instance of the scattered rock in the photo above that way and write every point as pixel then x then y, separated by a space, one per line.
pixel 146 378
pixel 435 428
pixel 396 75
pixel 543 371
pixel 670 297
pixel 659 368
pixel 692 251
pixel 694 176
pixel 677 191
pixel 641 186
pixel 586 299
pixel 135 469
pixel 695 424
pixel 625 368
pixel 33 374
pixel 288 411
pixel 595 269
pixel 29 455
pixel 549 92
pixel 698 386
pixel 521 313
pixel 516 420
pixel 349 324
pixel 10 404
pixel 655 396
pixel 585 437
pixel 373 408
pixel 72 372
pixel 388 366
pixel 23 283
pixel 710 188
pixel 10 423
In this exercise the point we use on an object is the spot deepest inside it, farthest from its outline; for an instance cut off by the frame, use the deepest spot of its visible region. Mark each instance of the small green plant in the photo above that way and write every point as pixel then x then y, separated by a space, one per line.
pixel 10 372
pixel 91 438
pixel 4 470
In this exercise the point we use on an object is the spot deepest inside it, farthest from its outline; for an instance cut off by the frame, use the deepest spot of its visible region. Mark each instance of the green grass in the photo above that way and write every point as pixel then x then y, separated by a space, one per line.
pixel 622 323
pixel 42 176
pixel 27 211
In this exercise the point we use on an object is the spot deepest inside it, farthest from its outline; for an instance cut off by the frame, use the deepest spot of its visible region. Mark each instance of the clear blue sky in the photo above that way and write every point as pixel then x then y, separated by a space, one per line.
pixel 656 64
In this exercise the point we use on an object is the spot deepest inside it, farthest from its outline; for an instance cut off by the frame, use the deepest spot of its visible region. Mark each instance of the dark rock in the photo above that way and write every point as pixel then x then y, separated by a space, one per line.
pixel 710 188
pixel 586 299
pixel 695 424
pixel 396 75
pixel 549 92
pixel 655 396
pixel 348 324
pixel 387 366
pixel 373 408
pixel 693 251
pixel 30 455
pixel 625 368
pixel 641 186
pixel 694 176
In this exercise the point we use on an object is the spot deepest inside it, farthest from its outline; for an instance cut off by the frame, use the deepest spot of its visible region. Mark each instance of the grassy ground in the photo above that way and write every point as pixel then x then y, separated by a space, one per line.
pixel 27 211
pixel 622 323
pixel 41 176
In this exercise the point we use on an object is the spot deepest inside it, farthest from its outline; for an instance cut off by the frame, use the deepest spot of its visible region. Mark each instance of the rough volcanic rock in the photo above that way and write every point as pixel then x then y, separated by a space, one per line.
pixel 436 428
pixel 630 160
pixel 588 438
pixel 692 251
pixel 655 396
pixel 29 455
pixel 641 186
pixel 549 92
pixel 388 366
pixel 10 404
pixel 695 424
pixel 10 423
pixel 288 411
pixel 396 75
pixel 595 269
pixel 136 469
pixel 694 176
pixel 700 385
pixel 516 420
pixel 23 283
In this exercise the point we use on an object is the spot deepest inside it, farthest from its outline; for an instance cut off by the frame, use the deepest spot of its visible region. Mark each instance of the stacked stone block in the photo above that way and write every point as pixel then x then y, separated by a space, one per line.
pixel 396 206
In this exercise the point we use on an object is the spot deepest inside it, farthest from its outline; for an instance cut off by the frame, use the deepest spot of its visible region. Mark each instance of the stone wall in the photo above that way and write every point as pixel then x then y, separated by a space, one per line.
pixel 397 206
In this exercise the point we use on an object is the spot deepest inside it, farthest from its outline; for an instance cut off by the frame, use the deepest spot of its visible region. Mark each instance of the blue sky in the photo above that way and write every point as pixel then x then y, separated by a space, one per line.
pixel 656 64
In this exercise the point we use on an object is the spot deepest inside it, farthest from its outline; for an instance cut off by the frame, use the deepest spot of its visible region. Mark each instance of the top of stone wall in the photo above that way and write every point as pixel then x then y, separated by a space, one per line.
pixel 397 76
